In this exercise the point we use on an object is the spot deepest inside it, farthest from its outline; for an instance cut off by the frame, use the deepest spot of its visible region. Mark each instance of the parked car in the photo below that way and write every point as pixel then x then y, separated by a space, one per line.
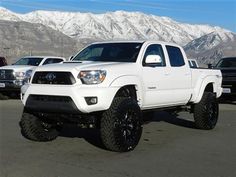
pixel 12 77
pixel 228 69
pixel 3 61
pixel 108 84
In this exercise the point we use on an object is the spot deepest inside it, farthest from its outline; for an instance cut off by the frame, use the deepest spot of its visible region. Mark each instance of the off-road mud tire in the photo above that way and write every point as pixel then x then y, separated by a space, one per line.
pixel 121 125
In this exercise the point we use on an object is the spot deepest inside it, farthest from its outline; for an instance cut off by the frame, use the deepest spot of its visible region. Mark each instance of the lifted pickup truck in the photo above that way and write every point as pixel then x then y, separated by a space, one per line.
pixel 107 85
pixel 12 77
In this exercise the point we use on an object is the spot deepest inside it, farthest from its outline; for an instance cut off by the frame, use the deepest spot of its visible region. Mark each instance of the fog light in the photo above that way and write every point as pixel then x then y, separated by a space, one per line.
pixel 91 100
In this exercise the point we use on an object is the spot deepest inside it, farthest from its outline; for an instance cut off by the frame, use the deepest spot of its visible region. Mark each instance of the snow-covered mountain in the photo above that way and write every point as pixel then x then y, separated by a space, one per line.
pixel 5 14
pixel 114 25
pixel 22 38
pixel 204 42
pixel 213 46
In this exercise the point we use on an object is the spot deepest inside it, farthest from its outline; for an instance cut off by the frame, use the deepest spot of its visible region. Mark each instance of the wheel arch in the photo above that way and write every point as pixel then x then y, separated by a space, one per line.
pixel 127 91
pixel 131 84
pixel 209 85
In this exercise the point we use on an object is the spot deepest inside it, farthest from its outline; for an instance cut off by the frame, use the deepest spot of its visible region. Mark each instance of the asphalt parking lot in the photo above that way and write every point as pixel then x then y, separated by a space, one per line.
pixel 169 147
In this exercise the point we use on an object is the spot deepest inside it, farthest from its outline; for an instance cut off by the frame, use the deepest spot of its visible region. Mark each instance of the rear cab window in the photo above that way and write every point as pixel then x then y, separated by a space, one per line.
pixel 175 56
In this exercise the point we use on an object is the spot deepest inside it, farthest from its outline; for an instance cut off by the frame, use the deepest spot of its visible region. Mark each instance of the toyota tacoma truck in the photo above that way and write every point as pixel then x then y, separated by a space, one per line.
pixel 109 84
pixel 12 77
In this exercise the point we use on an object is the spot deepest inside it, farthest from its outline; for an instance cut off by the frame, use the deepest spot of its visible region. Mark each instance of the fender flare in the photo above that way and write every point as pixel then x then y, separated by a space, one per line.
pixel 199 91
pixel 126 80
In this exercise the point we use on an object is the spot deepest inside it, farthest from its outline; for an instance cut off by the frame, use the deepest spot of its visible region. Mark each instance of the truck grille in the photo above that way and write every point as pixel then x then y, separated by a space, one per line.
pixel 229 75
pixel 49 98
pixel 229 78
pixel 6 74
pixel 56 78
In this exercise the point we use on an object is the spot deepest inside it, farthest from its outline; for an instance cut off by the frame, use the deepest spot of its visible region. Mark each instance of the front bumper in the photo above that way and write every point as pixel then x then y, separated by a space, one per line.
pixel 229 89
pixel 10 85
pixel 51 104
pixel 66 98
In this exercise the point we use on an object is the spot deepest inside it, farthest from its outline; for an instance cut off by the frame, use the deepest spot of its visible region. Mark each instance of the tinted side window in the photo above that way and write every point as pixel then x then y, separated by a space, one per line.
pixel 155 49
pixel 175 56
pixel 52 60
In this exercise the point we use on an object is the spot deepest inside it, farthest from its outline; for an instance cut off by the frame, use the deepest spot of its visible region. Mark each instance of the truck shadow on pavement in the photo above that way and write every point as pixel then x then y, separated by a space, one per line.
pixel 9 96
pixel 92 136
pixel 162 116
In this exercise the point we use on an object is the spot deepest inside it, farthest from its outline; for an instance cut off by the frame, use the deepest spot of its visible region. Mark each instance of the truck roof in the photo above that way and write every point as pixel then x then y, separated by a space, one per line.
pixel 136 41
pixel 41 57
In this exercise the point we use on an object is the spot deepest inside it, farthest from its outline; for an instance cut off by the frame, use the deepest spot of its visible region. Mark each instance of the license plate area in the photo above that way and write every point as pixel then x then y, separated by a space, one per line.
pixel 226 90
pixel 2 85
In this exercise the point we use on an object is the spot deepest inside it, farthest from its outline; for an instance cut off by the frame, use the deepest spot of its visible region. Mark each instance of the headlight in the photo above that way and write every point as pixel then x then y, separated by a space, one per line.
pixel 28 75
pixel 19 75
pixel 92 77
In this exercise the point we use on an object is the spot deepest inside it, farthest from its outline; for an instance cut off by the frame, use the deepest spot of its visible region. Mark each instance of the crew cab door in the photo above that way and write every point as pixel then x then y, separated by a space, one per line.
pixel 179 75
pixel 155 78
pixel 168 83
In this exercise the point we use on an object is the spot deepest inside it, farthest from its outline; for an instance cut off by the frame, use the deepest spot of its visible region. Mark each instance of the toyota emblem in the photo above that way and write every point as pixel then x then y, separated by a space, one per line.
pixel 50 76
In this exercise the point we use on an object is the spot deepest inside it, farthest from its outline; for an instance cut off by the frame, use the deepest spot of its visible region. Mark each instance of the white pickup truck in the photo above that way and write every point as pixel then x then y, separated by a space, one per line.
pixel 12 77
pixel 107 85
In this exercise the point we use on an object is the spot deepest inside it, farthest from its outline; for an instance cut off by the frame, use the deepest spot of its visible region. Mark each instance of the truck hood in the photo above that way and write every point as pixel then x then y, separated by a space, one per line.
pixel 114 70
pixel 86 65
pixel 18 68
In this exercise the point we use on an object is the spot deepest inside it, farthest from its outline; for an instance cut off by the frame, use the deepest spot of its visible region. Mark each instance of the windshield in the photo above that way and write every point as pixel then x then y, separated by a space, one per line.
pixel 227 63
pixel 29 61
pixel 110 52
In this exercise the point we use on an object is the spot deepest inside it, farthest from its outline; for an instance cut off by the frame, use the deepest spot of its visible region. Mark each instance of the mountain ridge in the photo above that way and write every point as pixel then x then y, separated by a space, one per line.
pixel 211 47
pixel 114 25
pixel 204 42
pixel 20 39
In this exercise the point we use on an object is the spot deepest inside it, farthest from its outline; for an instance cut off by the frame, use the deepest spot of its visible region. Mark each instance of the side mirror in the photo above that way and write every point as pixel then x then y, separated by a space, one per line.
pixel 153 59
pixel 71 57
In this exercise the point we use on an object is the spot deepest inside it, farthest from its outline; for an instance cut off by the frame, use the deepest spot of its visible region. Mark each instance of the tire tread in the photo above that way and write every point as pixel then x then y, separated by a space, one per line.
pixel 32 129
